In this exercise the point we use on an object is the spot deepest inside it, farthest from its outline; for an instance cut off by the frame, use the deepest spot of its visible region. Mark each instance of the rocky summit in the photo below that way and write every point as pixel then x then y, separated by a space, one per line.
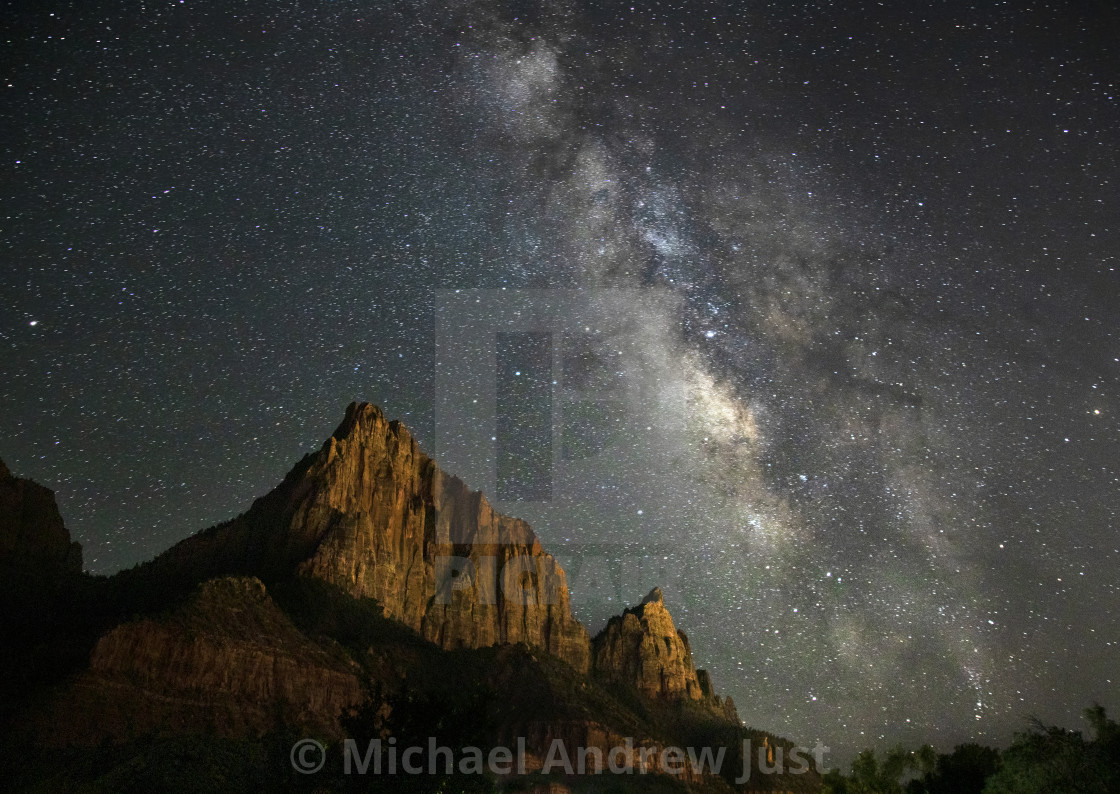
pixel 395 527
pixel 642 647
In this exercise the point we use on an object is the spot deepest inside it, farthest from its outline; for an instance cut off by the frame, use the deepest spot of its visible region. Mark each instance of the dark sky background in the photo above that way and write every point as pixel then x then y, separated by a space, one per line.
pixel 882 245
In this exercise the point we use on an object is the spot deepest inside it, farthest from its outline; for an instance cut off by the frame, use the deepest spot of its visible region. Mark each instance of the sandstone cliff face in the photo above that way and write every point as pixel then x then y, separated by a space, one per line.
pixel 371 513
pixel 430 550
pixel 643 647
pixel 32 535
pixel 229 661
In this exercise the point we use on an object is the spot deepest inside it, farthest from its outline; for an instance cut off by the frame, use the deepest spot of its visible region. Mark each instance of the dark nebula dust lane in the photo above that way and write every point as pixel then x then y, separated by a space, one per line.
pixel 844 277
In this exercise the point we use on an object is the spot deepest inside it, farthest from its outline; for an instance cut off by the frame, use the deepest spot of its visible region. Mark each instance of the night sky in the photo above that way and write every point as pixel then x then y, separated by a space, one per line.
pixel 837 342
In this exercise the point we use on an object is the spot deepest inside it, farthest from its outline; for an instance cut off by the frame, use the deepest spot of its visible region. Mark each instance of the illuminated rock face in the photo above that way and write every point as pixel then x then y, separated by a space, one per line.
pixel 643 647
pixel 374 515
pixel 391 525
pixel 206 648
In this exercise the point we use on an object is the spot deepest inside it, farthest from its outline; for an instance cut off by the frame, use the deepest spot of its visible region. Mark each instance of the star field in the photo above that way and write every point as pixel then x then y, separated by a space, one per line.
pixel 876 249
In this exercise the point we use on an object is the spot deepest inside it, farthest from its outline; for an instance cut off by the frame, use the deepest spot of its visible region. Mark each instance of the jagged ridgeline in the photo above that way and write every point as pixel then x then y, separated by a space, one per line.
pixel 368 596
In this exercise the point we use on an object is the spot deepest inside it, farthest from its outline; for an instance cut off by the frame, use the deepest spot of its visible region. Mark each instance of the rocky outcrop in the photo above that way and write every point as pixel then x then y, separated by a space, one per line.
pixel 229 662
pixel 643 647
pixel 371 513
pixel 32 535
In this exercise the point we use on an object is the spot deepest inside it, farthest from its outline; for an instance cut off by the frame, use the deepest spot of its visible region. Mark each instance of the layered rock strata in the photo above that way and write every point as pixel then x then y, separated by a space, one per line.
pixel 229 662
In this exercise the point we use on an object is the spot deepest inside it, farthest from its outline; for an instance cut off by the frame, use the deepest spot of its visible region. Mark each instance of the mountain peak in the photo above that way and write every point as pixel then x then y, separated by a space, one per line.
pixel 359 415
pixel 394 526
pixel 643 646
pixel 375 516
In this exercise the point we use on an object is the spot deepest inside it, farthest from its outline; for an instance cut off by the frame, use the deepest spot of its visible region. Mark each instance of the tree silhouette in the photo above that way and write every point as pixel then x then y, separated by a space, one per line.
pixel 1055 760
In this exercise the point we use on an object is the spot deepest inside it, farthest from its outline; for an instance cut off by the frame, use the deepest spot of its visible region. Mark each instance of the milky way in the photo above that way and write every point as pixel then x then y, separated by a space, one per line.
pixel 832 295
